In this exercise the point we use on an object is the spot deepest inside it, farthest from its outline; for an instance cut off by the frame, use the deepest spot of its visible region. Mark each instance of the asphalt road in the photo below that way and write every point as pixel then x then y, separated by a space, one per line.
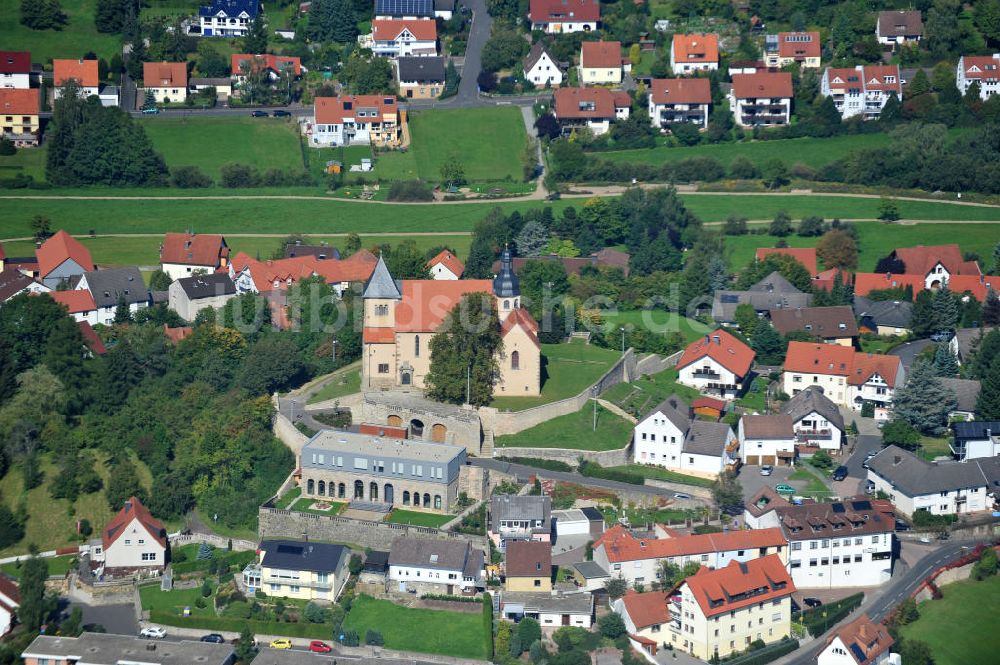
pixel 910 350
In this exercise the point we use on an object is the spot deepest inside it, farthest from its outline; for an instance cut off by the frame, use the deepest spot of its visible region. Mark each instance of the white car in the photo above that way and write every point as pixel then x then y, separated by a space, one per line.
pixel 153 632
pixel 766 470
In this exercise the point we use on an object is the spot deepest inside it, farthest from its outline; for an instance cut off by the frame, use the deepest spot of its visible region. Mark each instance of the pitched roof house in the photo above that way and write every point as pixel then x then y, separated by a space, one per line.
pixel 786 48
pixel 62 257
pixel 833 325
pixel 421 77
pixel 646 616
pixel 446 266
pixel 14 283
pixel 528 566
pixel 670 437
pixel 541 68
pixel 762 99
pixel 860 642
pixel 899 26
pixel 355 119
pixel 84 72
pixel 848 377
pixel 404 8
pixel 601 63
pixel 182 254
pixel 189 295
pixel 435 564
pixel 981 69
pixel 564 16
pixel 594 108
pixel 772 292
pixel 815 418
pixel 10 600
pixel 15 69
pixel 861 91
pixel 228 18
pixel 393 38
pixel 253 276
pixel 693 53
pixel 166 80
pixel 20 108
pixel 883 317
pixel 514 517
pixel 274 65
pixel 109 287
pixel 717 363
pixel 679 100
pixel 79 303
pixel 132 540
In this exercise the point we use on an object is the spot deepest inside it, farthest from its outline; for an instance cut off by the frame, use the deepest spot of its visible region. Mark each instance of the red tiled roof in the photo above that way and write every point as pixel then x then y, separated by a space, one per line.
pixel 762 84
pixel 83 71
pixel 274 63
pixel 866 282
pixel 836 360
pixel 450 262
pixel 600 102
pixel 521 318
pixel 721 347
pixel 565 11
pixel 620 545
pixel 76 302
pixel 164 74
pixel 388 29
pixel 58 249
pixel 720 591
pixel 876 78
pixel 774 426
pixel 177 334
pixel 696 47
pixel 133 509
pixel 8 587
pixel 378 336
pixel 19 101
pixel 15 62
pixel 790 45
pixel 356 268
pixel 869 638
pixel 90 337
pixel 647 609
pixel 708 403
pixel 920 260
pixel 605 55
pixel 426 302
pixel 333 110
pixel 681 91
pixel 977 286
pixel 196 249
pixel 804 255
pixel 825 280
pixel 981 67
pixel 529 558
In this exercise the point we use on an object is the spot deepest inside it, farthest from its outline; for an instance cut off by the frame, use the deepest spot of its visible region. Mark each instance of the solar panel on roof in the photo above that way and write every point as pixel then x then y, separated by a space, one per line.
pixel 839 508
pixel 861 505
pixel 729 299
pixel 290 549
pixel 404 7
pixel 858 653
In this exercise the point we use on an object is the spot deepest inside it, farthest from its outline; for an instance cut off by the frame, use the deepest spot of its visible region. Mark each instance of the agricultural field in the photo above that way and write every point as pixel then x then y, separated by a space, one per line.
pixel 574 431
pixel 77 37
pixel 960 628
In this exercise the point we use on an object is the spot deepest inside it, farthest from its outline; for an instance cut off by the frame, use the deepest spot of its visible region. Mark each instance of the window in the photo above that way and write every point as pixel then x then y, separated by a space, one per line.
pixel 128 542
pixel 538 583
pixel 796 547
pixel 416 346
pixel 515 360
pixel 383 368
pixel 149 556
pixel 142 542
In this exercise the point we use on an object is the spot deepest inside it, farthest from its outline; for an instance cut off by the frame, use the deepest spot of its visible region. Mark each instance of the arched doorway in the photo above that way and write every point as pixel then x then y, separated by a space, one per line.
pixel 394 421
pixel 438 432
pixel 427 500
pixel 407 379
pixel 406 497
pixel 359 489
pixel 322 488
pixel 373 491
pixel 341 491
pixel 416 428
pixel 437 502
pixel 388 493
pixel 311 486
pixel 515 360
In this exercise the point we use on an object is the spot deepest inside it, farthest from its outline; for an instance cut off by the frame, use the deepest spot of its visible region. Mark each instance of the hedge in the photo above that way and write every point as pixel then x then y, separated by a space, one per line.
pixel 488 624
pixel 819 619
pixel 315 631
pixel 548 464
pixel 923 519
pixel 768 654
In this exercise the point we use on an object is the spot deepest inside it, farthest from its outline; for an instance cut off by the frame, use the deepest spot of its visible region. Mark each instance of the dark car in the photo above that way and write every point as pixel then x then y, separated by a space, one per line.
pixel 840 473
pixel 258 114
pixel 214 638
pixel 901 525
pixel 812 602
pixel 281 114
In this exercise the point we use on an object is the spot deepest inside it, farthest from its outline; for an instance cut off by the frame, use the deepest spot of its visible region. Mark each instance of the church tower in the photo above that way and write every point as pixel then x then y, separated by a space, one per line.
pixel 506 288
pixel 381 294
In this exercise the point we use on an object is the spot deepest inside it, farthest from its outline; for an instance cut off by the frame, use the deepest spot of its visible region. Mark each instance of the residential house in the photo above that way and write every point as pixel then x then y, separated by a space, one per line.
pixel 420 77
pixel 275 67
pixel 10 600
pixel 133 542
pixel 228 18
pixel 591 576
pixel 401 318
pixel 716 364
pixel 14 283
pixel 541 68
pixel 981 69
pixel 528 566
pixel 601 63
pixel 719 612
pixel 408 9
pixel 899 27
pixel 564 16
pixel 646 616
pixel 298 569
pixel 863 90
pixel 638 559
pixel 590 108
pixel 804 255
pixel 446 266
pixel 321 251
pixel 842 544
pixel 19 116
pixel 189 295
pixel 966 395
pixel 84 72
pixel 167 81
pixel 680 100
pixel 885 318
pixel 108 649
pixel 975 439
pixel 15 69
pixel 937 264
pixel 767 439
pixel 223 86
pixel 515 517
pixel 444 9
pixel 940 488
pixel 185 254
pixel 436 566
pixel 79 303
pixel 111 288
pixel 860 642
pixel 551 610
pixel 787 48
pixel 761 100
pixel 849 378
pixel 696 52
pixel 772 292
pixel 746 66
pixel 966 341
pixel 62 258
pixel 394 38
pixel 586 521
pixel 355 120
pixel 670 437
pixel 815 419
pixel 759 510
pixel 832 325
pixel 253 276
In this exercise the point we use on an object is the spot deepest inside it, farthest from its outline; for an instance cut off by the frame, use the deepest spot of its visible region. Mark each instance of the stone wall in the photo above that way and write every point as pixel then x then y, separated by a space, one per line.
pixel 285 430
pixel 569 455
pixel 275 523
pixel 474 481
pixel 693 490
pixel 654 364
pixel 352 402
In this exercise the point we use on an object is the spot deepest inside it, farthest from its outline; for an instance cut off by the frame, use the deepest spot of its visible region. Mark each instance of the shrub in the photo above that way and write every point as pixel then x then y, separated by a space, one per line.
pixel 235 176
pixel 206 589
pixel 189 177
pixel 374 638
pixel 923 519
pixel 314 613
pixel 594 470
pixel 7 147
pixel 350 638
pixel 488 623
pixel 410 190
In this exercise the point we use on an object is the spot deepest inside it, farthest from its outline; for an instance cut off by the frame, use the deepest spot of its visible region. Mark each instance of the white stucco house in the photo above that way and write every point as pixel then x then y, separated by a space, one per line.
pixel 668 436
pixel 132 542
pixel 861 642
pixel 816 420
pixel 767 439
pixel 716 364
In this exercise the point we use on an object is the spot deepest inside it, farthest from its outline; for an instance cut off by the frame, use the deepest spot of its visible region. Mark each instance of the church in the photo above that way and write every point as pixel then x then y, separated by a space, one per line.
pixel 402 316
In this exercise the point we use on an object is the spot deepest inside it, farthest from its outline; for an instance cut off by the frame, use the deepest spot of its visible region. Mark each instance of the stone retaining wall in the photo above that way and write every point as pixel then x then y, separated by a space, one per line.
pixel 285 430
pixel 693 490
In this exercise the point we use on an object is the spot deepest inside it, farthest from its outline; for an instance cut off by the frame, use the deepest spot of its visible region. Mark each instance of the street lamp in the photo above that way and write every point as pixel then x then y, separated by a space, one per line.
pixel 593 394
pixel 335 351
pixel 622 329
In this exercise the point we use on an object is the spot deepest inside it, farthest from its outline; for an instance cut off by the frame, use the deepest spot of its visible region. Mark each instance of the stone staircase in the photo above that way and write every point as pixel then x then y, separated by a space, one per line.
pixel 487 448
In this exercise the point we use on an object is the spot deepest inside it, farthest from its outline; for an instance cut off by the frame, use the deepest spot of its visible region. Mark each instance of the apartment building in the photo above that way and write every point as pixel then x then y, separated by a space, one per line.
pixel 863 90
pixel 763 99
pixel 679 100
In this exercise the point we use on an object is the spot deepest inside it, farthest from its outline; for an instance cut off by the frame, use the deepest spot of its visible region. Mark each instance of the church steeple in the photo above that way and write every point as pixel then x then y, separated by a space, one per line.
pixel 505 284
pixel 381 284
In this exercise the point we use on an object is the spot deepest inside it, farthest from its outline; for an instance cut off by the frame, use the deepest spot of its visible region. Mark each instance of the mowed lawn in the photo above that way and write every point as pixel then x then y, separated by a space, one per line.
pixel 209 143
pixel 961 627
pixel 459 634
pixel 28 161
pixel 567 369
pixel 487 141
pixel 654 320
pixel 574 431
pixel 640 396
pixel 75 39
pixel 416 518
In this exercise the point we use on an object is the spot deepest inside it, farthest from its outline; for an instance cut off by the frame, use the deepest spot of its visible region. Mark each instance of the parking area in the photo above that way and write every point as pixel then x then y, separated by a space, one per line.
pixel 752 481
pixel 117 619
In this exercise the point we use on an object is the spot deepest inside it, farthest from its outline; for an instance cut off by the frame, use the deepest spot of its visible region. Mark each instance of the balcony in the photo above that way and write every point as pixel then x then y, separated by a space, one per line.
pixel 813 434
pixel 714 376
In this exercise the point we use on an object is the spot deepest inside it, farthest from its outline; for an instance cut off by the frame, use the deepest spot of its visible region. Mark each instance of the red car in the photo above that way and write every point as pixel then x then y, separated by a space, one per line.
pixel 320 647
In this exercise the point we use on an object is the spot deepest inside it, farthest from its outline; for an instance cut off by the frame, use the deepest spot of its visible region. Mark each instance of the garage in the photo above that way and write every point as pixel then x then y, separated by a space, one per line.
pixel 753 460
pixel 768 459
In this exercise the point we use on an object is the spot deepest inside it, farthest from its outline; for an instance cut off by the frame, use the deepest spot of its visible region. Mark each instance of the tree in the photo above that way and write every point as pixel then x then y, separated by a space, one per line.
pixel 924 402
pixel 246 647
pixel 64 355
pixel 767 344
pixel 727 493
pixel 35 607
pixel 781 225
pixel 811 226
pixel 888 210
pixel 464 364
pixel 332 20
pixel 986 566
pixel 278 365
pixel 503 49
pixel 123 484
pixel 735 225
pixel 616 587
pixel 211 63
pixel 453 172
pixel 109 16
pixel 611 625
pixel 367 75
pixel 945 362
pixel 838 249
pixel 906 612
pixel 742 168
pixel 686 133
pixel 892 111
pixel 122 312
pixel 899 432
pixel 42 14
pixel 532 239
pixel 255 41
pixel 991 308
pixel 988 402
pixel 746 319
pixel 526 633
pixel 916 652
pixel 547 126
pixel 945 308
pixel 41 228
pixel 775 174
pixel 11 527
pixel 986 16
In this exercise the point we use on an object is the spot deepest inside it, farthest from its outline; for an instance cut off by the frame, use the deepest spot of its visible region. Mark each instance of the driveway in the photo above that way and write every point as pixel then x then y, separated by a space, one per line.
pixel 479 34
pixel 116 619
pixel 910 350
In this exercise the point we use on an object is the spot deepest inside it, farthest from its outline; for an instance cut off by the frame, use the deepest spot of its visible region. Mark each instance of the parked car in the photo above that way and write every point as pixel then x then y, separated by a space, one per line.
pixel 214 638
pixel 782 488
pixel 151 111
pixel 320 647
pixel 281 114
pixel 281 643
pixel 681 495
pixel 812 602
pixel 153 632
pixel 840 473
pixel 258 114
pixel 941 336
pixel 766 470
pixel 902 525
